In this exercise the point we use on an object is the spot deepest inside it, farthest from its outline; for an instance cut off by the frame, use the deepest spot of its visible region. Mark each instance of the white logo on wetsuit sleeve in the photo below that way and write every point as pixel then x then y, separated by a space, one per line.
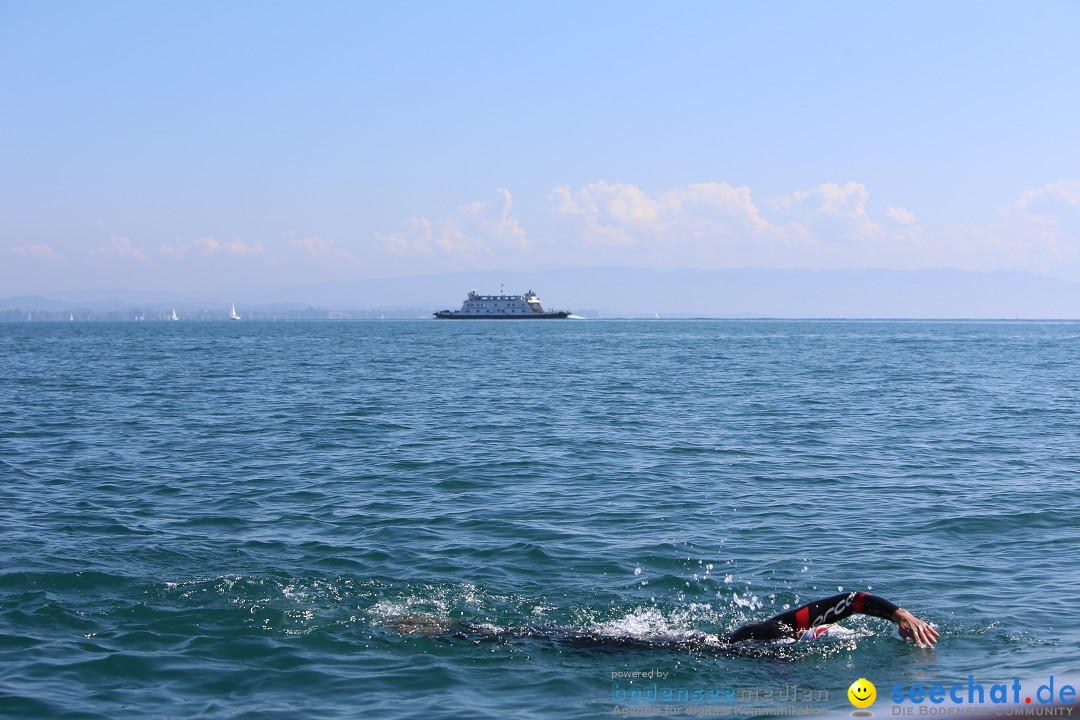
pixel 835 611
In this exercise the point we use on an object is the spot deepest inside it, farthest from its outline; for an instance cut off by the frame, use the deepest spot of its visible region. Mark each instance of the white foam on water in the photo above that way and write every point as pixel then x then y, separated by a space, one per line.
pixel 749 601
pixel 649 624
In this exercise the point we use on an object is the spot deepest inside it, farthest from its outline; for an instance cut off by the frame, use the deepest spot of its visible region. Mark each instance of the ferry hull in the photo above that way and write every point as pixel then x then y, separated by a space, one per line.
pixel 448 315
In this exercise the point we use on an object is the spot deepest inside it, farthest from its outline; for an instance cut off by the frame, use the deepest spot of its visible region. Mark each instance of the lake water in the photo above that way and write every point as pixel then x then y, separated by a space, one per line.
pixel 231 519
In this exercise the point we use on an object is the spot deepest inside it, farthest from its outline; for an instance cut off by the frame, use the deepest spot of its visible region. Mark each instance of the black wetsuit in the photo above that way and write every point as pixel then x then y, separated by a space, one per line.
pixel 792 623
pixel 787 625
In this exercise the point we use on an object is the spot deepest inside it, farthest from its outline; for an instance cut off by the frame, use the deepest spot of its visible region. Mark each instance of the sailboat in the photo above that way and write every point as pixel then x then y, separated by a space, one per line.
pixel 174 317
pixel 232 313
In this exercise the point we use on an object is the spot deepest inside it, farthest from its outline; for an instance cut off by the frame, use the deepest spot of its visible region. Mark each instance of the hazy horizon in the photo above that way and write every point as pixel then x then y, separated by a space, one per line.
pixel 637 292
pixel 255 148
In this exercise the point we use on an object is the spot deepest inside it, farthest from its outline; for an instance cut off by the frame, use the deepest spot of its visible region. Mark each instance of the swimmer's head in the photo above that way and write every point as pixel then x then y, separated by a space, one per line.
pixel 825 632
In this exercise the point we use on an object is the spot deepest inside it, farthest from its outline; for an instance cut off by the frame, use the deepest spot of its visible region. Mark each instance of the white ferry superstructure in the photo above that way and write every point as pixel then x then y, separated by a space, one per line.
pixel 502 307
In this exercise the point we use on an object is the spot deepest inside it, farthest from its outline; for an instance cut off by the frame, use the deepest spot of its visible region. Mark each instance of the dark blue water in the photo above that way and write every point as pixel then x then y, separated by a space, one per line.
pixel 232 519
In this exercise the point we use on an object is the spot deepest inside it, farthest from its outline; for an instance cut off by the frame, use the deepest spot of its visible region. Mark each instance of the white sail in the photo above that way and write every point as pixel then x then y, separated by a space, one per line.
pixel 232 312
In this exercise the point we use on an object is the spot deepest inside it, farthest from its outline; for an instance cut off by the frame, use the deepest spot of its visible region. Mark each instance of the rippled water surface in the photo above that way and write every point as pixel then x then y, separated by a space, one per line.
pixel 272 519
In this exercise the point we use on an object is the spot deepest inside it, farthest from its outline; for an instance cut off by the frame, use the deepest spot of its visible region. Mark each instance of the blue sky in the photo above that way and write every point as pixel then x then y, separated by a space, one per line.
pixel 205 146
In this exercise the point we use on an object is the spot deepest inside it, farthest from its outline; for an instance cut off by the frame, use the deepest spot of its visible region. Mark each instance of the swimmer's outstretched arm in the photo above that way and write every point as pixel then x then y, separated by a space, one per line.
pixel 792 623
pixel 912 628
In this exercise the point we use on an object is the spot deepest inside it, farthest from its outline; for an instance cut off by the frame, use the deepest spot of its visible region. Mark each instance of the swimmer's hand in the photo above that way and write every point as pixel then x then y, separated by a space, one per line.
pixel 912 628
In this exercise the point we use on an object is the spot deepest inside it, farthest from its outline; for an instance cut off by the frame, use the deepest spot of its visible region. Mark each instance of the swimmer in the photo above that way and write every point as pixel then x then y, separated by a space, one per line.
pixel 813 620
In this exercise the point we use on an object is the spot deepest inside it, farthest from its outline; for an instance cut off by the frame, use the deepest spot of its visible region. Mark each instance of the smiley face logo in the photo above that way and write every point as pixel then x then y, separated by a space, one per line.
pixel 862 693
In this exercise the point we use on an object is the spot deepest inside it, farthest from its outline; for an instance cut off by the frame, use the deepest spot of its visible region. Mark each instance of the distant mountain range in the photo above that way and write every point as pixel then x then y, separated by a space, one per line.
pixel 635 292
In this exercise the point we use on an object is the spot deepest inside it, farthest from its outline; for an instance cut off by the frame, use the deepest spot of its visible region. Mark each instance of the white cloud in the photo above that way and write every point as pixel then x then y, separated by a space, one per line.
pixel 720 225
pixel 1039 231
pixel 619 205
pixel 900 216
pixel 720 198
pixel 715 224
pixel 36 252
pixel 235 246
pixel 699 222
pixel 323 249
pixel 209 246
pixel 479 227
pixel 170 251
pixel 118 246
pixel 829 212
pixel 1054 198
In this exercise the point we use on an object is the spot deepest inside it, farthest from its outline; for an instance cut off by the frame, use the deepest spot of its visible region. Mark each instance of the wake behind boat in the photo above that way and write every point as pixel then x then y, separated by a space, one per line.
pixel 502 307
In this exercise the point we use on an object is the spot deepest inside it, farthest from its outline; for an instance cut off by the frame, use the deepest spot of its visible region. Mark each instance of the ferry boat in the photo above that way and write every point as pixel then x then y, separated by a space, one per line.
pixel 502 307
